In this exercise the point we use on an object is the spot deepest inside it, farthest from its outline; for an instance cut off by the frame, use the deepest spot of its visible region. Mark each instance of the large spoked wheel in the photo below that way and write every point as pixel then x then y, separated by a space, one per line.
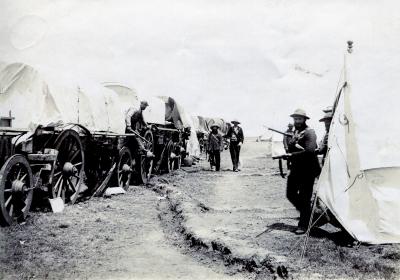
pixel 67 173
pixel 146 164
pixel 124 171
pixel 16 190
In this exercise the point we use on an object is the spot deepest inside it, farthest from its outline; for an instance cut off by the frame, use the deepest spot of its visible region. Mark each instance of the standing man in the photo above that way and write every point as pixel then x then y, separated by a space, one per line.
pixel 304 168
pixel 286 138
pixel 236 137
pixel 134 123
pixel 134 118
pixel 215 147
pixel 323 145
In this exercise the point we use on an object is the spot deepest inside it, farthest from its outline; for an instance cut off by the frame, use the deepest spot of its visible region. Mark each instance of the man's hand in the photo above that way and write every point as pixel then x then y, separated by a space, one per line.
pixel 287 156
pixel 240 144
pixel 129 129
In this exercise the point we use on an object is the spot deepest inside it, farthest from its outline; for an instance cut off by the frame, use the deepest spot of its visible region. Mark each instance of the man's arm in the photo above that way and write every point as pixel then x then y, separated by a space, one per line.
pixel 128 117
pixel 241 135
pixel 229 133
pixel 221 142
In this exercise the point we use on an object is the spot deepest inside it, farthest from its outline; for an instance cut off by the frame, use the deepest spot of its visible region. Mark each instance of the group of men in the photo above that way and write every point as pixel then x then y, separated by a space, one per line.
pixel 302 154
pixel 134 122
pixel 216 145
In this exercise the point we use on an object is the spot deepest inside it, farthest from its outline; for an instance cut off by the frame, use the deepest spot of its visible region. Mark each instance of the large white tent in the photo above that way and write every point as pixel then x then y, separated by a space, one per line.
pixel 359 182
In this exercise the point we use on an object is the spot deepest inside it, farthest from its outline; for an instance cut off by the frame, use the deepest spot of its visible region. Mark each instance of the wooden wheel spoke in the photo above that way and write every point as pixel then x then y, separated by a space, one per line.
pixel 11 210
pixel 73 156
pixel 23 177
pixel 71 185
pixel 60 187
pixel 78 164
pixel 19 173
pixel 8 201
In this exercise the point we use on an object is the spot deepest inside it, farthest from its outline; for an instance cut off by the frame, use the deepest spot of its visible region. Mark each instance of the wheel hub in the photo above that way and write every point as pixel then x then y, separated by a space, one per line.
pixel 18 186
pixel 69 169
pixel 126 168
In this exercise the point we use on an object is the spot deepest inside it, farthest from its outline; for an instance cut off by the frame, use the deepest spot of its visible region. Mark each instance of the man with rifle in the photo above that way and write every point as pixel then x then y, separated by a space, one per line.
pixel 304 168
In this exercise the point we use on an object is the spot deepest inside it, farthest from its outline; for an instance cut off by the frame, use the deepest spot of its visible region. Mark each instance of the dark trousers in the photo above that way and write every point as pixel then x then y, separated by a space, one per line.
pixel 234 149
pixel 215 159
pixel 299 192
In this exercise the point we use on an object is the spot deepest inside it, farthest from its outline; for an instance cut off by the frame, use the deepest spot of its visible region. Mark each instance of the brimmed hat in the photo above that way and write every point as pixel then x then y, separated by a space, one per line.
pixel 215 125
pixel 327 116
pixel 300 113
pixel 235 121
pixel 144 103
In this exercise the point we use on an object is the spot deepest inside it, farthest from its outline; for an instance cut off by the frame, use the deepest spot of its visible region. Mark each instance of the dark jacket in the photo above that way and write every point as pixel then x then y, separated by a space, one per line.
pixel 215 142
pixel 134 118
pixel 302 146
pixel 235 137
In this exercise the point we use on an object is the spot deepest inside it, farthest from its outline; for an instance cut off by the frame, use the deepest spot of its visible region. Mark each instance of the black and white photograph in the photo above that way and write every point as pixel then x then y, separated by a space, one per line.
pixel 199 140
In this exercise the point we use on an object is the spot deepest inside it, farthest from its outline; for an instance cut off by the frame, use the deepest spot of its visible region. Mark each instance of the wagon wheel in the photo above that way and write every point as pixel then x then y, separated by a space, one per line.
pixel 124 171
pixel 146 164
pixel 67 174
pixel 16 189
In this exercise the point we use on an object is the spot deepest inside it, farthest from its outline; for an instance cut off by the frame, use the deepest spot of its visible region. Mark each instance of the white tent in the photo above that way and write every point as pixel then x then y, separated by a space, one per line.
pixel 360 181
pixel 277 148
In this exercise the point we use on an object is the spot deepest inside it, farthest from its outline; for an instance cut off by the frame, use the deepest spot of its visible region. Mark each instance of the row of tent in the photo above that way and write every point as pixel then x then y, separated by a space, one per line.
pixel 34 100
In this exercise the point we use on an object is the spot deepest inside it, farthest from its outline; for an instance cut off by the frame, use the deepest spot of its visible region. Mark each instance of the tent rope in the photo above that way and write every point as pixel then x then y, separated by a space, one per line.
pixel 359 176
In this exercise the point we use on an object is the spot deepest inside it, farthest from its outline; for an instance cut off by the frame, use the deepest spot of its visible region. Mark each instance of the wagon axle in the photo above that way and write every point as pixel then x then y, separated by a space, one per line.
pixel 18 187
pixel 69 169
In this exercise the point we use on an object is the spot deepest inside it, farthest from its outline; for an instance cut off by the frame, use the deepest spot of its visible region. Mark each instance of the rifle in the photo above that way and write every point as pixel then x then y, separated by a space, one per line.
pixel 280 132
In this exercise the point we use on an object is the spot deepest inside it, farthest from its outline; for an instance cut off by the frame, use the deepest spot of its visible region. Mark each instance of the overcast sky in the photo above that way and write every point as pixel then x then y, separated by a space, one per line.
pixel 252 60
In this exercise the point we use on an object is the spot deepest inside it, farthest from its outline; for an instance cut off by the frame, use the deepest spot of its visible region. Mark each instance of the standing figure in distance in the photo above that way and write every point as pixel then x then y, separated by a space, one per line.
pixel 215 147
pixel 236 138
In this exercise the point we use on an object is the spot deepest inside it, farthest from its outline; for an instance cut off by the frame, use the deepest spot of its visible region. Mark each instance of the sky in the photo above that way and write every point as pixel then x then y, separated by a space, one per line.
pixel 253 60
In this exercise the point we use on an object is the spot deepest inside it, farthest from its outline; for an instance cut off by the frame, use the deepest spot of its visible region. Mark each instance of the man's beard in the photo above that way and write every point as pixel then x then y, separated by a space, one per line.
pixel 300 126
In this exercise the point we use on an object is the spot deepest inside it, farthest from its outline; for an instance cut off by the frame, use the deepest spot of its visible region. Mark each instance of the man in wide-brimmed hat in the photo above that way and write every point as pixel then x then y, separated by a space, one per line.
pixel 215 147
pixel 134 122
pixel 304 168
pixel 236 138
pixel 327 119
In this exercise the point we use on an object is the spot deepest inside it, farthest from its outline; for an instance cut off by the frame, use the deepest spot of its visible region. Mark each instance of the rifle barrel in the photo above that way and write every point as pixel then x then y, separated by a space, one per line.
pixel 280 132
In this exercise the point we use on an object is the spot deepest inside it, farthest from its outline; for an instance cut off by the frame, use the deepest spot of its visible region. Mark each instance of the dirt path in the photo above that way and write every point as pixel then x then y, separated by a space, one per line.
pixel 191 224
pixel 117 238
pixel 248 215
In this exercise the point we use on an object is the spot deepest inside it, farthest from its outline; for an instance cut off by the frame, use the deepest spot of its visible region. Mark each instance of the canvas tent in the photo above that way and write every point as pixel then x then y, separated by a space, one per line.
pixel 277 148
pixel 360 182
pixel 204 124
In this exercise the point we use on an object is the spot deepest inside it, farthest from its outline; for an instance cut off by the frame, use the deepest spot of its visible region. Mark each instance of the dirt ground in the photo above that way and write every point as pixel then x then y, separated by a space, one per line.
pixel 191 224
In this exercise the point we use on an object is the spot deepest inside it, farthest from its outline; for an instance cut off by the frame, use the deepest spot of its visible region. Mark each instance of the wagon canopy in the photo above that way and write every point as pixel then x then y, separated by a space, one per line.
pixel 129 97
pixel 35 101
pixel 360 182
